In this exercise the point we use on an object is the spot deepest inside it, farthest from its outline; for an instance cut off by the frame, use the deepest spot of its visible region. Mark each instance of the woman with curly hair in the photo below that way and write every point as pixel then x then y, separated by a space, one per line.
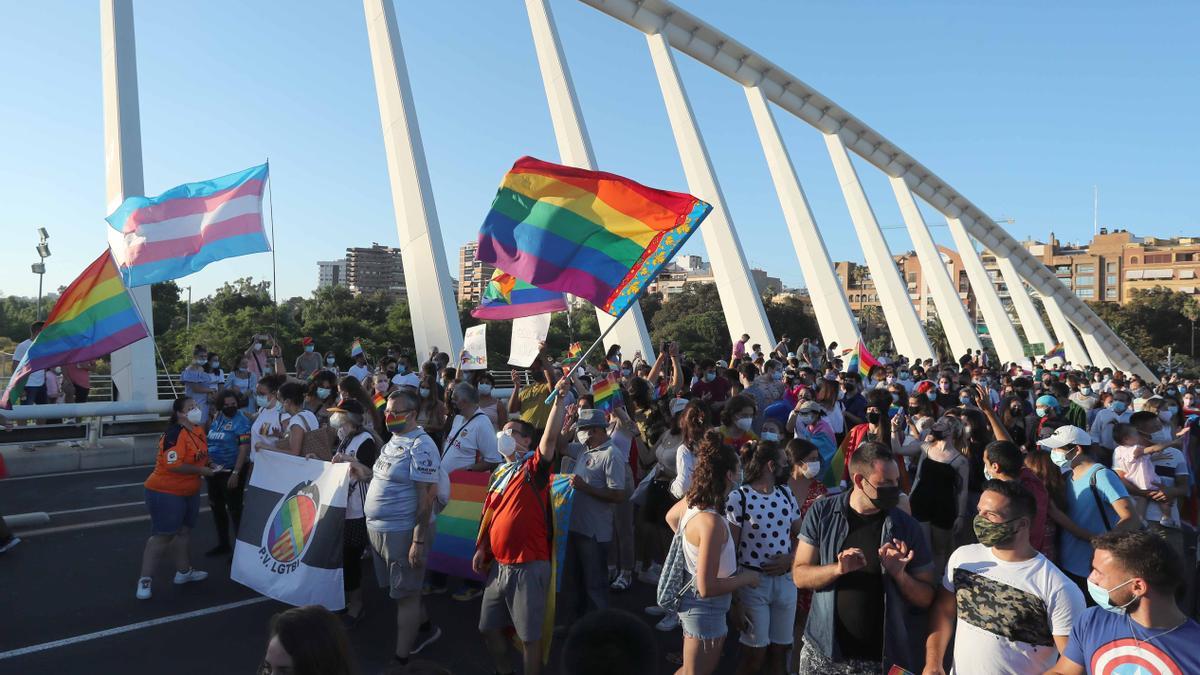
pixel 709 555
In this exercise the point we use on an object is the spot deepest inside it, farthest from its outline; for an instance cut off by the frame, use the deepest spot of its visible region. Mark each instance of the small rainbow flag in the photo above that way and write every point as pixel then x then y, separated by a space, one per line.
pixel 507 297
pixel 593 234
pixel 1057 352
pixel 862 361
pixel 607 393
pixel 355 349
pixel 92 318
pixel 379 400
pixel 573 352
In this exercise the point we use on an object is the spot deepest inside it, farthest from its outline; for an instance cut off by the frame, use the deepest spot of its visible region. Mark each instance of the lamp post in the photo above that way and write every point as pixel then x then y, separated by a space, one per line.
pixel 39 268
pixel 189 313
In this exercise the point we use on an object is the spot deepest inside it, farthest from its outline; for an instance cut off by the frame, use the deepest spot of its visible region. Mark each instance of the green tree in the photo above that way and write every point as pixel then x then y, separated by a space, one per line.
pixel 168 308
pixel 791 316
pixel 695 320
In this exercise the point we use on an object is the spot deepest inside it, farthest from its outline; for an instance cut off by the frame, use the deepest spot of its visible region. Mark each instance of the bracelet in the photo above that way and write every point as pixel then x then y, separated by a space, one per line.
pixel 418 543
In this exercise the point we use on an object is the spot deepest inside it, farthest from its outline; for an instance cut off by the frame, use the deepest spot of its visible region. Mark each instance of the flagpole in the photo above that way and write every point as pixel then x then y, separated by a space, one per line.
pixel 274 281
pixel 153 342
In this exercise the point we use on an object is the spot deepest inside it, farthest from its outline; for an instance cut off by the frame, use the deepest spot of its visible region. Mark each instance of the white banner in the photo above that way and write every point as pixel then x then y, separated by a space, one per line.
pixel 289 546
pixel 474 355
pixel 528 334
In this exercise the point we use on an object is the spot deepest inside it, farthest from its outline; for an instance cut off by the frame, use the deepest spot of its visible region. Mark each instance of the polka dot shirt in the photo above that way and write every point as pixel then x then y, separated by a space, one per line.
pixel 766 522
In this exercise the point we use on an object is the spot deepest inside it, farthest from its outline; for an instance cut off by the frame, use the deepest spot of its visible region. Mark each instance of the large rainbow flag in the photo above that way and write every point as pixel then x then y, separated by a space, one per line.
pixel 507 297
pixel 185 228
pixel 93 317
pixel 593 234
pixel 1056 352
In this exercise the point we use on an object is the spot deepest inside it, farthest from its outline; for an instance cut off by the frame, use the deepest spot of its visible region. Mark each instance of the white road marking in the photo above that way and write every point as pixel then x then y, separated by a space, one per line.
pixel 66 642
pixel 105 506
pixel 88 526
pixel 119 485
pixel 79 473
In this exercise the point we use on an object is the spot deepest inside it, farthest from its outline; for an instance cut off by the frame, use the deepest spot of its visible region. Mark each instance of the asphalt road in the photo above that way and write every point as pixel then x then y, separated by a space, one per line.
pixel 67 600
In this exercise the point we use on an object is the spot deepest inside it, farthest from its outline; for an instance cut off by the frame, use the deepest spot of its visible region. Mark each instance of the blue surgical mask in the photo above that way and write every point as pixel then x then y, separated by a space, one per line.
pixel 1101 596
pixel 1118 407
pixel 261 400
pixel 323 392
pixel 1041 412
pixel 1060 459
pixel 709 377
pixel 308 348
pixel 769 436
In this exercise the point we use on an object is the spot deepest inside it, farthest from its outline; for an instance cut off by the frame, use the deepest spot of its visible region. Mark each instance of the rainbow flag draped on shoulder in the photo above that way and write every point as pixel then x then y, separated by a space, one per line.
pixel 92 318
pixel 507 297
pixel 593 234
pixel 182 230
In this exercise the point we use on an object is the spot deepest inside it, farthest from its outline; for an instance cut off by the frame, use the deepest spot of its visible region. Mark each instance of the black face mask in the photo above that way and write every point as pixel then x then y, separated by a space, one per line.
pixel 229 411
pixel 1016 410
pixel 912 410
pixel 873 416
pixel 886 496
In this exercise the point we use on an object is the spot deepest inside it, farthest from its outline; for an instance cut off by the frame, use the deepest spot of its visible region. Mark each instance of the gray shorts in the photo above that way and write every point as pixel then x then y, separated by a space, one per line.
pixel 770 611
pixel 704 618
pixel 391 563
pixel 516 596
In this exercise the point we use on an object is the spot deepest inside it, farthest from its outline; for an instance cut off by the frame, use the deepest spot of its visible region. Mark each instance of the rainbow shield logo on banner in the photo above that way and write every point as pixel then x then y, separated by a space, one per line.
pixel 292 525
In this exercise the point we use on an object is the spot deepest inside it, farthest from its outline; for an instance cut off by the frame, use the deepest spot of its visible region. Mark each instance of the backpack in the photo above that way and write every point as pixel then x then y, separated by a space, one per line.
pixel 674 580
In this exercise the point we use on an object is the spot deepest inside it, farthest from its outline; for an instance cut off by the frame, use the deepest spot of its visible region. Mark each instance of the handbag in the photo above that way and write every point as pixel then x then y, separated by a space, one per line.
pixel 674 580
pixel 318 442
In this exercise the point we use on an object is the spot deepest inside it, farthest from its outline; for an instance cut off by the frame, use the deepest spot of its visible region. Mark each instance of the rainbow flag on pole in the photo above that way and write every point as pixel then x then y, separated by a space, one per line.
pixel 607 393
pixel 573 352
pixel 92 318
pixel 862 361
pixel 379 400
pixel 1056 352
pixel 356 348
pixel 507 297
pixel 182 230
pixel 596 235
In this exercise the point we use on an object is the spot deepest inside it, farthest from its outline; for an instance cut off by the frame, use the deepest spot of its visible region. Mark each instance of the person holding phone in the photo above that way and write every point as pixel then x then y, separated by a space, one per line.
pixel 173 494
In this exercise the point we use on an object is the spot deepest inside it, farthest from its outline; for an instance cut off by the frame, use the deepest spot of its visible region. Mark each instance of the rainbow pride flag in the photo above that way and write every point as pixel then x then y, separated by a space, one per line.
pixel 1057 352
pixel 507 297
pixel 862 361
pixel 596 235
pixel 356 348
pixel 379 400
pixel 184 229
pixel 573 352
pixel 92 318
pixel 458 525
pixel 607 393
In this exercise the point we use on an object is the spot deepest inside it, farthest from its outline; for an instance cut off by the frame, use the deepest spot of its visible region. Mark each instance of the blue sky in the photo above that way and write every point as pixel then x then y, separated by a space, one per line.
pixel 1022 106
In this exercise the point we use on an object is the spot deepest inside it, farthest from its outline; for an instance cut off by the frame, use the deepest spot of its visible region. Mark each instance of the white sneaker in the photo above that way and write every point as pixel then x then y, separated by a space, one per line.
pixel 623 581
pixel 143 588
pixel 655 610
pixel 192 574
pixel 669 623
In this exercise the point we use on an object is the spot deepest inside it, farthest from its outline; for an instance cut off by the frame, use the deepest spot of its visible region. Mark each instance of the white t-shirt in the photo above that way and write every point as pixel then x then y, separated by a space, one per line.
pixel 1168 465
pixel 305 419
pixel 837 417
pixel 685 463
pixel 359 372
pixel 477 442
pixel 38 377
pixel 1009 612
pixel 265 429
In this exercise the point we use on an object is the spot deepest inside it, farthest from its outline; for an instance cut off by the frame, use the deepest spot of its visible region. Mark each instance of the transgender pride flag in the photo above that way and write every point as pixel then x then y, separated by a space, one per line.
pixel 182 230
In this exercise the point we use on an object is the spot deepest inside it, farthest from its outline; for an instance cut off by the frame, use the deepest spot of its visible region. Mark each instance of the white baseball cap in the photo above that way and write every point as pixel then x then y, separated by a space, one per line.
pixel 1066 435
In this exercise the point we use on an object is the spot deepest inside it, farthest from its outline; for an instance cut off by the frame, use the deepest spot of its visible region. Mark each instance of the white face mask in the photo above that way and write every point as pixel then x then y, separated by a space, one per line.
pixel 331 360
pixel 582 436
pixel 485 390
pixel 258 346
pixel 424 392
pixel 194 416
pixel 506 445
pixel 744 423
pixel 337 420
pixel 810 469
pixel 804 419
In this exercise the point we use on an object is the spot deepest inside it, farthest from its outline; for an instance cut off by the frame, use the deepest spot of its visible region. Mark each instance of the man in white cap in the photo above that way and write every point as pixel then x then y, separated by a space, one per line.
pixel 1097 501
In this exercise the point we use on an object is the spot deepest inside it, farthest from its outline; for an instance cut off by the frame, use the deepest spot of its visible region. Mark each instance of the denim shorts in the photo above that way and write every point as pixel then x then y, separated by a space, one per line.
pixel 704 618
pixel 170 513
pixel 770 611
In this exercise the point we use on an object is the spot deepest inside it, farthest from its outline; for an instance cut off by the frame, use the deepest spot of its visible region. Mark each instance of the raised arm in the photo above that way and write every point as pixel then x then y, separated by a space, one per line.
pixel 548 446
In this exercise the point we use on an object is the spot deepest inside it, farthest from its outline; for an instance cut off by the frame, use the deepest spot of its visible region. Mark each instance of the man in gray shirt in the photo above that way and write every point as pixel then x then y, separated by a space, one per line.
pixel 599 483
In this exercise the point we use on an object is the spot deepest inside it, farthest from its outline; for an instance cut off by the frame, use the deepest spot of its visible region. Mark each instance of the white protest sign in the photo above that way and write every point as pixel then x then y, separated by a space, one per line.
pixel 528 333
pixel 474 348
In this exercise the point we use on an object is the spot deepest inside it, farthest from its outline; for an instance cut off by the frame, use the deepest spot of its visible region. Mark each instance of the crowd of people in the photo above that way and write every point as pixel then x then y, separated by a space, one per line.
pixel 925 516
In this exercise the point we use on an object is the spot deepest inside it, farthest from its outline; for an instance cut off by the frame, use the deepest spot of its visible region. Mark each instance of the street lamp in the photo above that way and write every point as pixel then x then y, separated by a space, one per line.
pixel 39 268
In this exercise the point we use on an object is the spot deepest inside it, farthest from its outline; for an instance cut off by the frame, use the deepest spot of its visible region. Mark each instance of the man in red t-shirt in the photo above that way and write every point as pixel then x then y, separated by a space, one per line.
pixel 517 535
pixel 710 386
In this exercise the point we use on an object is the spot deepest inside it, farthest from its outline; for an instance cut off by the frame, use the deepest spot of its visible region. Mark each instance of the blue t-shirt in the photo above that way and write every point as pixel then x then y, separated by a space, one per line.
pixel 224 437
pixel 1076 556
pixel 1102 642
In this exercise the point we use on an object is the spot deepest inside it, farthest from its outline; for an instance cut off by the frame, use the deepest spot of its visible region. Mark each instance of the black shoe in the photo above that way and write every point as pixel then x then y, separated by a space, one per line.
pixel 350 620
pixel 220 549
